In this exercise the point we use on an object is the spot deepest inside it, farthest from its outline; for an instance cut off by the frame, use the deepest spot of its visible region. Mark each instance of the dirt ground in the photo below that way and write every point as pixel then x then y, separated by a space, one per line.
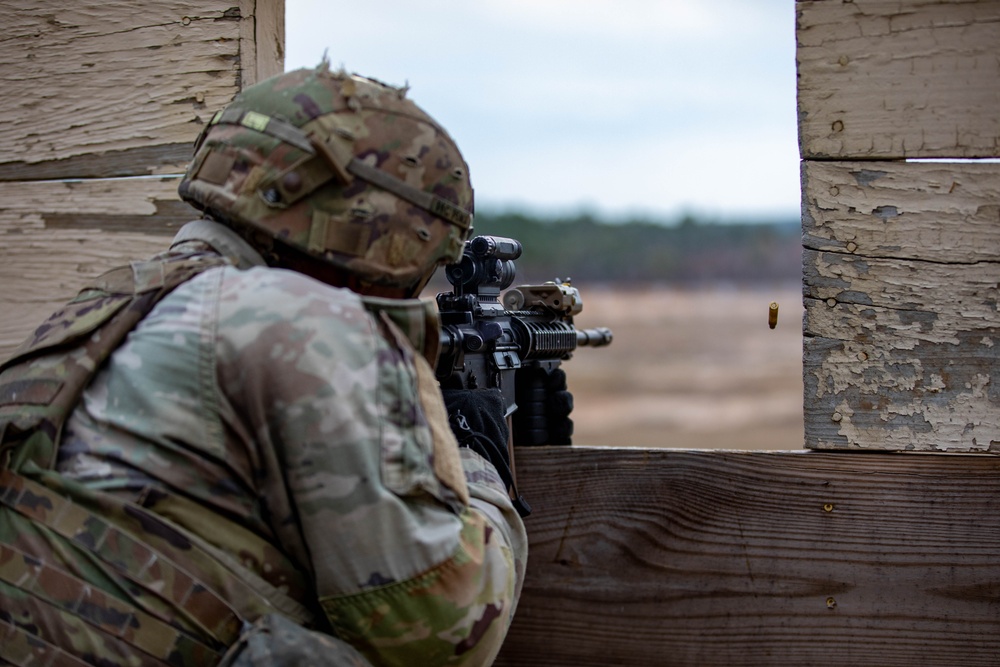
pixel 694 369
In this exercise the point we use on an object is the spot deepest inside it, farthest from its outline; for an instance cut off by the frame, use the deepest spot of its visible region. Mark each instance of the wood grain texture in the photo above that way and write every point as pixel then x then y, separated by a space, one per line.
pixel 661 557
pixel 902 284
pixel 119 88
pixel 108 89
pixel 932 211
pixel 262 40
pixel 889 79
pixel 55 235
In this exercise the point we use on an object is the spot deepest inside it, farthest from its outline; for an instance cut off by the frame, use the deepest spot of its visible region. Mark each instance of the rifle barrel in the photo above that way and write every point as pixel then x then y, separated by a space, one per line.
pixel 598 337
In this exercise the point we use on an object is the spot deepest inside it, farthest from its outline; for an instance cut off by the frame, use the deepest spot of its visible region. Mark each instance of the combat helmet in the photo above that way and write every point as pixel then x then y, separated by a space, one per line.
pixel 342 168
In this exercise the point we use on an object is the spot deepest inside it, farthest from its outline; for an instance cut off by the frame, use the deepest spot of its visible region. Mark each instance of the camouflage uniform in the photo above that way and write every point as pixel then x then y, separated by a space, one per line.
pixel 265 443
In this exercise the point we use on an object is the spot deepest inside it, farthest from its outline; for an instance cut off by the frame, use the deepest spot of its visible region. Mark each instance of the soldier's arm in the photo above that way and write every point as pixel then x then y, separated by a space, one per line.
pixel 415 550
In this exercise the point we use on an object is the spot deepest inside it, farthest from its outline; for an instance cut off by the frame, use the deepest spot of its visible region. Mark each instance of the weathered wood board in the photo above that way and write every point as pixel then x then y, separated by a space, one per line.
pixel 944 212
pixel 56 234
pixel 665 557
pixel 901 284
pixel 115 88
pixel 898 79
pixel 901 266
pixel 108 89
pixel 262 40
pixel 645 557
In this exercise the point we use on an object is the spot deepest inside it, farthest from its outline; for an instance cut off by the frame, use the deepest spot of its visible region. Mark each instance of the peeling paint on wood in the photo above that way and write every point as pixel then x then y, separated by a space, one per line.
pixel 888 79
pixel 55 235
pixel 262 40
pixel 898 390
pixel 108 89
pixel 942 212
pixel 166 158
pixel 902 283
pixel 98 89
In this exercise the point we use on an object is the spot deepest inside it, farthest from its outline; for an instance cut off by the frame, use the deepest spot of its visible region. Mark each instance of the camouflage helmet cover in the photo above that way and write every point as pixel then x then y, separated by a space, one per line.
pixel 341 167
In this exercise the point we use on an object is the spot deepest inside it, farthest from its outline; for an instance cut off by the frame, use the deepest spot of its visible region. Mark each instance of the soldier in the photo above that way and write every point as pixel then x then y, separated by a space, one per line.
pixel 223 448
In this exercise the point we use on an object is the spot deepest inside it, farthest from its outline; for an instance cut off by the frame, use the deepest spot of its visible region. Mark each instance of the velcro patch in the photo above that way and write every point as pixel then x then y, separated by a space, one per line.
pixel 29 392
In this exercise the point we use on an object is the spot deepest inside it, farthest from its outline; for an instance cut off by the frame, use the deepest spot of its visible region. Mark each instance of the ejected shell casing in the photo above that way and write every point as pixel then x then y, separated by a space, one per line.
pixel 772 315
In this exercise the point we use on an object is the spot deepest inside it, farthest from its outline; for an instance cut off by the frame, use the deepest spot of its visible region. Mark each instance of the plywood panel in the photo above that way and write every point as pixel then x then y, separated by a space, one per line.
pixel 889 79
pixel 660 557
pixel 902 285
pixel 118 88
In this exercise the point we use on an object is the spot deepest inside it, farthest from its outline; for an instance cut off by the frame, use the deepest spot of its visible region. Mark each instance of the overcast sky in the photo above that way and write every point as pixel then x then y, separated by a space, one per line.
pixel 618 107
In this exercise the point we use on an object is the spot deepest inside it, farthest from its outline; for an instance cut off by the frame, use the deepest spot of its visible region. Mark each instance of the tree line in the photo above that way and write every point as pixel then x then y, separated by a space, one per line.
pixel 688 252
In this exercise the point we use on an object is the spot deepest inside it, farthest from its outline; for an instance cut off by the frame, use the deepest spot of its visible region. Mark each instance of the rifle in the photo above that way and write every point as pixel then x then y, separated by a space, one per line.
pixel 516 343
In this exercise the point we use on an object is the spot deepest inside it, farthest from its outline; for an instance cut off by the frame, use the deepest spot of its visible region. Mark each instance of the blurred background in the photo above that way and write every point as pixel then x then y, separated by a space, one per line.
pixel 647 149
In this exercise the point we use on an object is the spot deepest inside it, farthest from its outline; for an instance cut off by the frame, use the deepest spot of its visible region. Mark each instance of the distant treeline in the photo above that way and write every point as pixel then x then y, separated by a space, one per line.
pixel 689 251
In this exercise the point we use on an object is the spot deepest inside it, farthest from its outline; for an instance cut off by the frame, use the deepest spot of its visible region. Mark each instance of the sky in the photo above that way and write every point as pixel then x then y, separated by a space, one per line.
pixel 617 108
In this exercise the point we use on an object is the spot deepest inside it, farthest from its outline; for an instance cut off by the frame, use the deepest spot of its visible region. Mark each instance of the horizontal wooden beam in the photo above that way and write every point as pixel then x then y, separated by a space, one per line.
pixel 651 557
pixel 947 212
pixel 884 79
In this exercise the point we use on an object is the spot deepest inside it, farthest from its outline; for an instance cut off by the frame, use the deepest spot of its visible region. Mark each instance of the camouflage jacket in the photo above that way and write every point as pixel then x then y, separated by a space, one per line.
pixel 295 433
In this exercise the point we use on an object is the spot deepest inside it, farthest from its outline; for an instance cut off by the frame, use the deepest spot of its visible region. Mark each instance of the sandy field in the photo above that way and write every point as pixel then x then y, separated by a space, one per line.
pixel 696 369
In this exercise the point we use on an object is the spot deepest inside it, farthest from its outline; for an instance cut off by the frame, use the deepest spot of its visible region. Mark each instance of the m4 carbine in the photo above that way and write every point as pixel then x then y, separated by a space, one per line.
pixel 514 342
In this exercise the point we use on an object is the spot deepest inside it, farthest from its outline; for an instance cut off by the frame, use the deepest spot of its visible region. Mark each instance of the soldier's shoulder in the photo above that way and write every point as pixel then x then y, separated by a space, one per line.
pixel 288 303
pixel 280 287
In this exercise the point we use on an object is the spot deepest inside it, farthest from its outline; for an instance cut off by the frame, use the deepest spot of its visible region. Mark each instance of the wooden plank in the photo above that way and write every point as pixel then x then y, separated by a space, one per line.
pixel 649 557
pixel 55 235
pixel 888 379
pixel 118 87
pixel 107 89
pixel 262 40
pixel 888 79
pixel 901 285
pixel 941 212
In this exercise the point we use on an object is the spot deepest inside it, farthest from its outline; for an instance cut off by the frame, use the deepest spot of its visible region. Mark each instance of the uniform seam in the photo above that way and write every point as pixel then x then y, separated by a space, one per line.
pixel 377 339
pixel 207 360
pixel 369 597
